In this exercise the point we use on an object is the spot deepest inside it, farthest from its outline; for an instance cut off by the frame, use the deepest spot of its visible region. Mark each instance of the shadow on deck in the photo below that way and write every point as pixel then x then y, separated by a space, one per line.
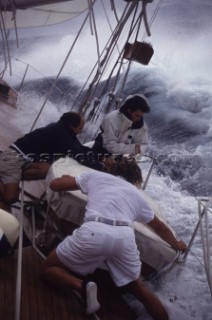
pixel 42 302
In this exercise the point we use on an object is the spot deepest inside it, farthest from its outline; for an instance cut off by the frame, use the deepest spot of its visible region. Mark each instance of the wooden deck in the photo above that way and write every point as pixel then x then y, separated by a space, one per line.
pixel 42 302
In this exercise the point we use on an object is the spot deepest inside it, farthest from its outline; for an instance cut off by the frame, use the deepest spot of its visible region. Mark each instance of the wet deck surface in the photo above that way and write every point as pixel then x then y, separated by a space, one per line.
pixel 42 302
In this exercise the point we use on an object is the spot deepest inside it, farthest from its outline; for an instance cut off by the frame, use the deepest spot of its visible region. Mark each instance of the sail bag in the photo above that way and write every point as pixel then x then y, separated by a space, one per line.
pixel 141 52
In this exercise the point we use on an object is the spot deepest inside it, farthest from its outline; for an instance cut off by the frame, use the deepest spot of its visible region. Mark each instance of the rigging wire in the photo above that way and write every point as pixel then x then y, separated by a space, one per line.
pixel 119 99
pixel 138 22
pixel 94 81
pixel 90 20
pixel 111 43
pixel 15 24
pixel 4 51
pixel 197 258
pixel 5 44
pixel 113 8
pixel 103 62
pixel 60 71
pixel 95 112
pixel 96 36
pixel 5 38
pixel 112 92
pixel 109 50
pixel 108 21
pixel 154 16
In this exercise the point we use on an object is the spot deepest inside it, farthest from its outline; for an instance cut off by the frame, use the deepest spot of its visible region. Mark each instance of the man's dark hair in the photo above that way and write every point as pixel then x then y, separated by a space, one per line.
pixel 134 103
pixel 71 118
pixel 126 168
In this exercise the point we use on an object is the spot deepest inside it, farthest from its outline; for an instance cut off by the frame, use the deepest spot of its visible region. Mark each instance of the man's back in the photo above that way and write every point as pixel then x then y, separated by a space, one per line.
pixel 113 197
pixel 50 142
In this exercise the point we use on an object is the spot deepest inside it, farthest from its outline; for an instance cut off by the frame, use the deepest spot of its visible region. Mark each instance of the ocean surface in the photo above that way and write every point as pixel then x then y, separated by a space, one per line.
pixel 178 85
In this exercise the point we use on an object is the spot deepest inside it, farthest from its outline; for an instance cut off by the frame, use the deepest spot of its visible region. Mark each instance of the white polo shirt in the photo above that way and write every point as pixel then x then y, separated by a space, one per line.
pixel 113 198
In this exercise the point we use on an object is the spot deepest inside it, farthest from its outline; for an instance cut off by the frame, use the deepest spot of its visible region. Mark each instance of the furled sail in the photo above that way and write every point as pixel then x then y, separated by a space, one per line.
pixel 32 13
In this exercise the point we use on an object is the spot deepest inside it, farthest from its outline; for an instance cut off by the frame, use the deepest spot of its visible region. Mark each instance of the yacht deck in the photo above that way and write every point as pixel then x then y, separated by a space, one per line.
pixel 39 301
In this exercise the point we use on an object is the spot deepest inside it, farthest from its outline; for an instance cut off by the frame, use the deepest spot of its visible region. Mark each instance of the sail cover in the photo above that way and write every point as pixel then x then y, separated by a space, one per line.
pixel 33 13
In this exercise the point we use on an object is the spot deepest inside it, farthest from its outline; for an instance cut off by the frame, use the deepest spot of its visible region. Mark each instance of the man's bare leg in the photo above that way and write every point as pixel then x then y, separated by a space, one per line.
pixel 9 193
pixel 5 206
pixel 149 300
pixel 53 271
pixel 56 273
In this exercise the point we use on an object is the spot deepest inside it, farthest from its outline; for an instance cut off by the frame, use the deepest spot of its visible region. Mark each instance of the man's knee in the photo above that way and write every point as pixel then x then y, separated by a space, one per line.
pixel 36 171
pixel 9 193
pixel 135 286
pixel 10 198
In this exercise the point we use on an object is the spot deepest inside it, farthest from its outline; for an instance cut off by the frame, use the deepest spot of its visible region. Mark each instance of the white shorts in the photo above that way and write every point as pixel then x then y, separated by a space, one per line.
pixel 94 243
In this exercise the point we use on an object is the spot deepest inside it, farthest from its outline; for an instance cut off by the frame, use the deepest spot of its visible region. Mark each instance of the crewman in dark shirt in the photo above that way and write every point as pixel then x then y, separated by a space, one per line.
pixel 30 156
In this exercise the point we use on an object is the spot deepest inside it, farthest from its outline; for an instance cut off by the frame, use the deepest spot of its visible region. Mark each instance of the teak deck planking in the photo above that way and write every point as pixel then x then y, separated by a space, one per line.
pixel 40 301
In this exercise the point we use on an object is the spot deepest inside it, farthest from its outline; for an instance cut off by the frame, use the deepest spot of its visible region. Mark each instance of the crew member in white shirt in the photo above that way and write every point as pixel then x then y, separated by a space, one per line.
pixel 114 202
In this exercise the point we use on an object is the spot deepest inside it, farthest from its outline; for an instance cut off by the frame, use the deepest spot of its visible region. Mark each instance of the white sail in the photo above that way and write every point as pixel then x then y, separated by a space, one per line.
pixel 50 12
pixel 24 4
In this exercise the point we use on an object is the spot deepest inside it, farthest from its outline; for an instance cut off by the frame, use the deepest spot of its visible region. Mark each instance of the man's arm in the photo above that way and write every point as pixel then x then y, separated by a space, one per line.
pixel 165 233
pixel 65 183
